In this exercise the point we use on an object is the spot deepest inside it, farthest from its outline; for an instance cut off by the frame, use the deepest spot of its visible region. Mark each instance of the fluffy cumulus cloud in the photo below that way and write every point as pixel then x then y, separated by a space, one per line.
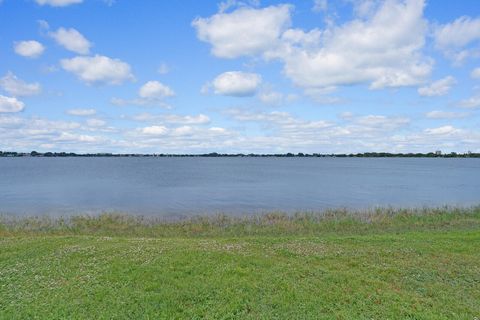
pixel 29 49
pixel 155 90
pixel 82 112
pixel 11 84
pixel 454 38
pixel 98 69
pixel 10 104
pixel 71 40
pixel 152 93
pixel 236 83
pixel 381 50
pixel 438 88
pixel 57 3
pixel 245 31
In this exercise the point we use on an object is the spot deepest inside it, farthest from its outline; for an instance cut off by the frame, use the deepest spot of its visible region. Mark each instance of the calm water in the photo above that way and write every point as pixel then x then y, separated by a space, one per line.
pixel 183 186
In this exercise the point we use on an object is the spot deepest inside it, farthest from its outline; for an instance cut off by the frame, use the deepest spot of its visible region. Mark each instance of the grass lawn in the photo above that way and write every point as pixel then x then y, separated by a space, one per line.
pixel 386 265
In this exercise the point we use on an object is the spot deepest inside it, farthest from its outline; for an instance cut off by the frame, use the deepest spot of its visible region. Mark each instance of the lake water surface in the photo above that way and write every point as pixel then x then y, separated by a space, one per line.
pixel 185 186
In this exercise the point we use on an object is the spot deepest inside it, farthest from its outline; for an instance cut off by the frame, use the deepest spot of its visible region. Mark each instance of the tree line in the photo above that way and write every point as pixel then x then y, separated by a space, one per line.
pixel 436 154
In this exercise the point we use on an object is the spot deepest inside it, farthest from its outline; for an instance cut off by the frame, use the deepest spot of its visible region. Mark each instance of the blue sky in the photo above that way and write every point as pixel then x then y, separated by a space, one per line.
pixel 239 76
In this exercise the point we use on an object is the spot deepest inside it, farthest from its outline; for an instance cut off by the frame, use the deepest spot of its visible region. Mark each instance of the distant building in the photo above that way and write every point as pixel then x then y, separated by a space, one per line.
pixel 438 153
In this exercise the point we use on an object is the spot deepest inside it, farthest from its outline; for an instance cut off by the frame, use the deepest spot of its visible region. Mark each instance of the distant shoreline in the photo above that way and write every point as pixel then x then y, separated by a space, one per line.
pixel 437 154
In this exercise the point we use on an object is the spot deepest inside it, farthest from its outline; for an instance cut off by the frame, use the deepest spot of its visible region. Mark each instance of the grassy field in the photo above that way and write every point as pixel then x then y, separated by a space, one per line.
pixel 384 264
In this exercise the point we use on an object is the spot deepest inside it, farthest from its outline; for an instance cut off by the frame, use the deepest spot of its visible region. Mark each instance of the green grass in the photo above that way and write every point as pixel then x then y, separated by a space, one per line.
pixel 384 264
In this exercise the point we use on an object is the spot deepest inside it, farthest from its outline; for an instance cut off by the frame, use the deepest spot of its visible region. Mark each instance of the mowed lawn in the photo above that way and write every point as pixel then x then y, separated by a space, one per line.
pixel 404 274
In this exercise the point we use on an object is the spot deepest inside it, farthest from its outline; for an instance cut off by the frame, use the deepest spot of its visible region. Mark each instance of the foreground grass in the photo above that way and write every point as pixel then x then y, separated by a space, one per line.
pixel 419 264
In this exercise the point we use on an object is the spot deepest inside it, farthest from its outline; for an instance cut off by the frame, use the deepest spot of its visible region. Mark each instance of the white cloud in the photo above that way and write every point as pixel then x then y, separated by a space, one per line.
pixel 380 122
pixel 34 133
pixel 181 138
pixel 236 83
pixel 383 50
pixel 77 138
pixel 71 40
pixel 475 73
pixel 98 69
pixel 16 87
pixel 271 97
pixel 322 95
pixel 29 49
pixel 453 38
pixel 154 130
pixel 183 131
pixel 274 98
pixel 320 5
pixel 95 123
pixel 58 3
pixel 458 33
pixel 198 119
pixel 140 102
pixel 444 130
pixel 246 31
pixel 82 112
pixel 283 122
pixel 172 118
pixel 438 88
pixel 278 132
pixel 152 93
pixel 10 104
pixel 155 90
pixel 365 8
pixel 285 132
pixel 436 114
pixel 470 103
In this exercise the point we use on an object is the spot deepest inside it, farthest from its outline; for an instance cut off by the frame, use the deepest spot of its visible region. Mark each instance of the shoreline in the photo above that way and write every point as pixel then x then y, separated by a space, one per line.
pixel 268 224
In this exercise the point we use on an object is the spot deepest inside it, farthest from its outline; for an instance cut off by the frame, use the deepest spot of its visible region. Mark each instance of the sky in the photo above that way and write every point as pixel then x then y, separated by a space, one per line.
pixel 250 76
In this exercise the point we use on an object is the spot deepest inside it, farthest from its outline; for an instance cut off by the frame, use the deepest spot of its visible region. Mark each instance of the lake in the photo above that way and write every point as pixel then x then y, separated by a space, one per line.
pixel 188 186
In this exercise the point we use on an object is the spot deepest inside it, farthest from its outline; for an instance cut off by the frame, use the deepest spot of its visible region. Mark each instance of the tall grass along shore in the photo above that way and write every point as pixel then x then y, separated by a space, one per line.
pixel 380 264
